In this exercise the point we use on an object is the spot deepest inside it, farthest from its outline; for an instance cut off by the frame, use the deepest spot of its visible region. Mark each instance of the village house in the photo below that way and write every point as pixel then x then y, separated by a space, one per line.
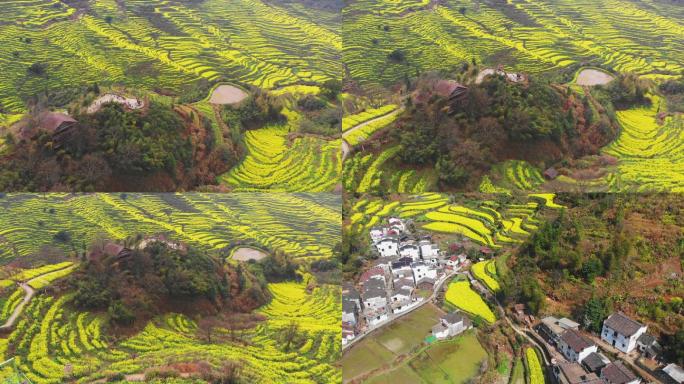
pixel 388 246
pixel 622 332
pixel 423 271
pixel 397 224
pixel 552 328
pixel 673 374
pixel 348 333
pixel 450 325
pixel 428 250
pixel 573 373
pixel 617 373
pixel 409 249
pixel 402 294
pixel 374 293
pixel 376 233
pixel 594 362
pixel 350 311
pixel 401 267
pixel 648 346
pixel 574 346
pixel 377 272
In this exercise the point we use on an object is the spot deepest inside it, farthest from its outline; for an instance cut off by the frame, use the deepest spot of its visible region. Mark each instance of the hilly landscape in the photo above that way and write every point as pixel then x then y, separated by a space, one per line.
pixel 246 104
pixel 490 95
pixel 192 288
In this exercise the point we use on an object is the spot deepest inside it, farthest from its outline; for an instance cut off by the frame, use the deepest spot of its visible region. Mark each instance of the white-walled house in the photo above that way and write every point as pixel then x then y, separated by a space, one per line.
pixel 574 346
pixel 401 267
pixel 422 271
pixel 349 312
pixel 388 246
pixel 376 233
pixel 622 332
pixel 452 324
pixel 397 224
pixel 428 250
pixel 409 250
pixel 374 294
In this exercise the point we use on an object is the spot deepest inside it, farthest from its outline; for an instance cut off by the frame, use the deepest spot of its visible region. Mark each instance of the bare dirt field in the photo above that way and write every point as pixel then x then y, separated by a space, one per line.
pixel 245 254
pixel 591 77
pixel 227 94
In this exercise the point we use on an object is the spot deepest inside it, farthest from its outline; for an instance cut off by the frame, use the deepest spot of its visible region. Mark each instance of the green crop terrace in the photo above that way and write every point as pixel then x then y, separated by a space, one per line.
pixel 52 342
pixel 161 45
pixel 303 225
pixel 532 36
pixel 484 221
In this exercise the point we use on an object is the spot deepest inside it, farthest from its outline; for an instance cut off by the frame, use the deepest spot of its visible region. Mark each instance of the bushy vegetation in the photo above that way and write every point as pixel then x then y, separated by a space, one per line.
pixel 603 253
pixel 466 142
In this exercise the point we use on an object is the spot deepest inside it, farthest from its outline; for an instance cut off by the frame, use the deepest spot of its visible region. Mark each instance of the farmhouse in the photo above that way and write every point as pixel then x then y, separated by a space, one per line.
pixel 374 294
pixel 674 374
pixel 552 328
pixel 388 246
pixel 349 312
pixel 450 325
pixel 594 362
pixel 423 271
pixel 401 267
pixel 348 333
pixel 617 373
pixel 573 373
pixel 622 332
pixel 648 346
pixel 550 173
pixel 428 249
pixel 574 346
pixel 409 249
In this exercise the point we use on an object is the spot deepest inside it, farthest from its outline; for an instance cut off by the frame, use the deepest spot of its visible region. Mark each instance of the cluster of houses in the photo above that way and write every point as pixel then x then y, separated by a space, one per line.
pixel 585 364
pixel 404 264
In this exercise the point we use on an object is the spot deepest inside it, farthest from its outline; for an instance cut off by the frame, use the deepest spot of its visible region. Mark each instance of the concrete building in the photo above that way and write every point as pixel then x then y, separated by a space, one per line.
pixel 622 332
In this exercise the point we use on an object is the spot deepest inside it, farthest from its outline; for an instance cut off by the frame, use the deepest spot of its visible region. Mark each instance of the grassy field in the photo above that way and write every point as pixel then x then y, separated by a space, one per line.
pixel 451 362
pixel 454 361
pixel 51 334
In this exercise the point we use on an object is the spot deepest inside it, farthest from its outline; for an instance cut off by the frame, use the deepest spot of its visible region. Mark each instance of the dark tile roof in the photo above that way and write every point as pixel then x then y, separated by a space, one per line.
pixel 617 373
pixel 348 306
pixel 453 317
pixel 594 362
pixel 575 340
pixel 646 339
pixel 622 324
pixel 575 374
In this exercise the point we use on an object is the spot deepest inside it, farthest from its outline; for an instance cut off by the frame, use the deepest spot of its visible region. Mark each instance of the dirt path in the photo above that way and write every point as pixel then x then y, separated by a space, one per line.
pixel 359 126
pixel 30 292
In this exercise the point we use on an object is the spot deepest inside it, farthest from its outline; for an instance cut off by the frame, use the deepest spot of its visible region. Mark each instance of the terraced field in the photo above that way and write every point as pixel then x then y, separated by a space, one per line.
pixel 650 153
pixel 531 36
pixel 53 342
pixel 483 221
pixel 281 164
pixel 64 337
pixel 306 226
pixel 162 44
pixel 369 172
pixel 461 295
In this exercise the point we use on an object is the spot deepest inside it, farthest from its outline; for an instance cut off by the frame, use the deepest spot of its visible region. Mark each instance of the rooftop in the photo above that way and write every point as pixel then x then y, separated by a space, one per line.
pixel 575 340
pixel 617 373
pixel 619 322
